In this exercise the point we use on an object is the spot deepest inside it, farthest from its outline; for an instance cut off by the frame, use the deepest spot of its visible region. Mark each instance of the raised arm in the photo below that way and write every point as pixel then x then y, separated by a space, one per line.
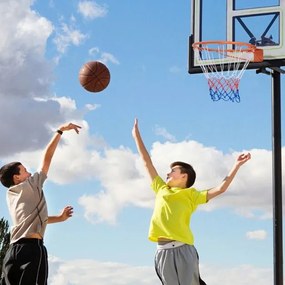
pixel 143 151
pixel 51 147
pixel 213 192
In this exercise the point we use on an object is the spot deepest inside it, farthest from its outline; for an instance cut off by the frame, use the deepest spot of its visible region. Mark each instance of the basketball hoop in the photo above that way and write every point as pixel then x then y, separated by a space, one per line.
pixel 223 64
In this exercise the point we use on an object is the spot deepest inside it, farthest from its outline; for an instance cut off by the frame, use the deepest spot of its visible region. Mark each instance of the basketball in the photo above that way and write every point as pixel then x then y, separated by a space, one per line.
pixel 94 76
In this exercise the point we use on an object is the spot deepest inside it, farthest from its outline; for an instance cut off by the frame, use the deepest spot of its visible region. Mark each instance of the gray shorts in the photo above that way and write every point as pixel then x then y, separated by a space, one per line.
pixel 177 264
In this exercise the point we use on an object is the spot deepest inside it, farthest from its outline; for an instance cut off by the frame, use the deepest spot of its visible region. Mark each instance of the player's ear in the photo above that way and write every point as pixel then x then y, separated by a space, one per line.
pixel 16 178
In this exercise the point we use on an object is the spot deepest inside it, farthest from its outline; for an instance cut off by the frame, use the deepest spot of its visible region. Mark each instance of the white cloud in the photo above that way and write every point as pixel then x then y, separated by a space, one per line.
pixel 164 133
pixel 104 210
pixel 94 51
pixel 124 180
pixel 240 275
pixel 257 235
pixel 22 44
pixel 92 10
pixel 92 107
pixel 122 185
pixel 23 32
pixel 90 272
pixel 25 74
pixel 66 36
pixel 108 57
pixel 104 57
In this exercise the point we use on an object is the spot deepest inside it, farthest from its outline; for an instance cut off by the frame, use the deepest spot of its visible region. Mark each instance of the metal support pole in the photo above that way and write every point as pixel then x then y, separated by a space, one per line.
pixel 277 178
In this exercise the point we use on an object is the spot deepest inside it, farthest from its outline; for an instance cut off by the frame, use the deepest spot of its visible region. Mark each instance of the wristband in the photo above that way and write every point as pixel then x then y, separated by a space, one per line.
pixel 59 132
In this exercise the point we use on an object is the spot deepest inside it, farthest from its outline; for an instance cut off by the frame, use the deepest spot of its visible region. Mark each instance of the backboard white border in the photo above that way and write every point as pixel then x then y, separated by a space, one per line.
pixel 273 55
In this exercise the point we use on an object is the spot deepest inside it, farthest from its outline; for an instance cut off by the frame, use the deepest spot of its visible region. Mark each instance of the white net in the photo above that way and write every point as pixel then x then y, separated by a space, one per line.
pixel 223 64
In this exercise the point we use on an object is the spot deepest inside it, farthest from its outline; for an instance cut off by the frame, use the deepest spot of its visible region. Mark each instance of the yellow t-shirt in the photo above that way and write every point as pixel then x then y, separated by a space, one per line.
pixel 172 211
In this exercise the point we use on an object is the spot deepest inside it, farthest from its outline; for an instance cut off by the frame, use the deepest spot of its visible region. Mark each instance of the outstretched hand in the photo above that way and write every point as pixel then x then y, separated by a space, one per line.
pixel 66 213
pixel 70 126
pixel 243 158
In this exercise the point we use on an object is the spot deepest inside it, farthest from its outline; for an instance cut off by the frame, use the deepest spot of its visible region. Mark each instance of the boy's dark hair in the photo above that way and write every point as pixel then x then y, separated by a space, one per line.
pixel 8 171
pixel 188 169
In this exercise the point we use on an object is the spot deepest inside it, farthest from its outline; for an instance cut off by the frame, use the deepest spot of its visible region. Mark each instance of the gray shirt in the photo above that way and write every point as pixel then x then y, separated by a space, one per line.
pixel 27 207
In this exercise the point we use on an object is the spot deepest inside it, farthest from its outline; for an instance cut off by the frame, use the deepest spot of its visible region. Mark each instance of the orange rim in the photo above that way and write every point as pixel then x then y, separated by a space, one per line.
pixel 203 46
pixel 245 47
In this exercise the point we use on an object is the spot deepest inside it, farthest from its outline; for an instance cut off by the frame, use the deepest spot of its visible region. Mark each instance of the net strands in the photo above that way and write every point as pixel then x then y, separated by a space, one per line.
pixel 223 83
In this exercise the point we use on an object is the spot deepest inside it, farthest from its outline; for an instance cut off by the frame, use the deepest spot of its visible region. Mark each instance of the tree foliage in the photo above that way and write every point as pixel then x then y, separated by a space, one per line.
pixel 4 240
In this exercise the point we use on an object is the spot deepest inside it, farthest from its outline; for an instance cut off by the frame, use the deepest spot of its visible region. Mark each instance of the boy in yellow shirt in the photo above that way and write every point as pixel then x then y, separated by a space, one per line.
pixel 176 259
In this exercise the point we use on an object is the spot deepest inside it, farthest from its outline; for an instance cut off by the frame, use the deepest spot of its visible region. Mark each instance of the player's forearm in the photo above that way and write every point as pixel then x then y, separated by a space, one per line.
pixel 143 151
pixel 51 147
pixel 141 148
pixel 213 192
pixel 55 219
pixel 145 157
pixel 49 152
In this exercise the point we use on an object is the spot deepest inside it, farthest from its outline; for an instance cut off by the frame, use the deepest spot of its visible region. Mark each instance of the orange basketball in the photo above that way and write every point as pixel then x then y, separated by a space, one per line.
pixel 94 76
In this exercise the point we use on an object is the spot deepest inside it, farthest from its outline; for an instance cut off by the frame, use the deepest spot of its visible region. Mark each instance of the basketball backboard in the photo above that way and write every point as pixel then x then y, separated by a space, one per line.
pixel 258 22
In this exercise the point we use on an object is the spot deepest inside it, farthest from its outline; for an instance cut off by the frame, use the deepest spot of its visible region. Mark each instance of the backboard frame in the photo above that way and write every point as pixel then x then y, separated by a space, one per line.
pixel 274 54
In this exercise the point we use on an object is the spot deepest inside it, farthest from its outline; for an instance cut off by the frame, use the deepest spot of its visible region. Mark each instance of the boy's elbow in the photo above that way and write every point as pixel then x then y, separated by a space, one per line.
pixel 212 194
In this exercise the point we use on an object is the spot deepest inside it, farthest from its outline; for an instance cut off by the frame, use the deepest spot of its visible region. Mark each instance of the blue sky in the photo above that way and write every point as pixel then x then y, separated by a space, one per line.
pixel 145 46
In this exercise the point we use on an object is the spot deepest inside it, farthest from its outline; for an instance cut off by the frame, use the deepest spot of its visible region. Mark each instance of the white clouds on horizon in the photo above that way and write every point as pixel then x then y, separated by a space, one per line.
pixel 87 271
pixel 242 274
pixel 90 272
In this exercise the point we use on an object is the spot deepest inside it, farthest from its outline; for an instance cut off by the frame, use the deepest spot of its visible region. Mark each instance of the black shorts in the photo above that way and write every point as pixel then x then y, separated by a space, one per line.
pixel 25 263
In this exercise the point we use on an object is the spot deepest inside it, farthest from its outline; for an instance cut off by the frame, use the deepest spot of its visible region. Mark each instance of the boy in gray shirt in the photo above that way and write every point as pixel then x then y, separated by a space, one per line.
pixel 26 262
